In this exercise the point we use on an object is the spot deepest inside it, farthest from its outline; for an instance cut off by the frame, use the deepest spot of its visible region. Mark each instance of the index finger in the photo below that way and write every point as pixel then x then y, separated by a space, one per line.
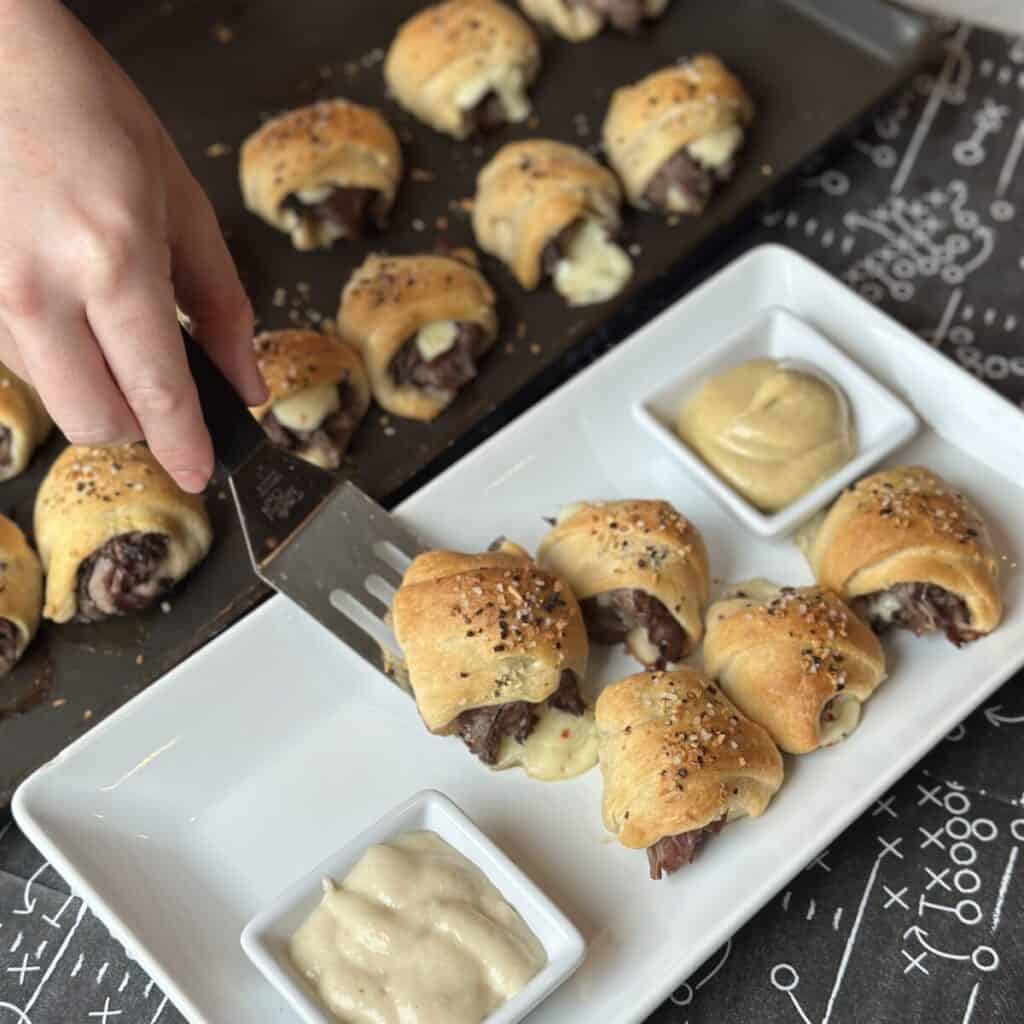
pixel 137 329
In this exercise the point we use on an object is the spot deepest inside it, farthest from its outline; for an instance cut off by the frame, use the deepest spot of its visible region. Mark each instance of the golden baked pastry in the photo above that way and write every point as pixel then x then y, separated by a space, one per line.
pixel 319 393
pixel 796 660
pixel 907 549
pixel 577 20
pixel 422 324
pixel 640 572
pixel 464 66
pixel 674 135
pixel 115 532
pixel 21 594
pixel 679 762
pixel 548 209
pixel 322 172
pixel 495 650
pixel 24 423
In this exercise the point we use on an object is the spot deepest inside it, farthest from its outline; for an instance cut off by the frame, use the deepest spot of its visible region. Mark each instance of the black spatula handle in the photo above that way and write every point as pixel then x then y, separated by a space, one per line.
pixel 235 432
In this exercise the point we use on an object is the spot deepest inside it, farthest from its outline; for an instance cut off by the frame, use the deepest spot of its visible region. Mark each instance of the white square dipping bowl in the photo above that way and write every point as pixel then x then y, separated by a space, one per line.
pixel 265 938
pixel 881 421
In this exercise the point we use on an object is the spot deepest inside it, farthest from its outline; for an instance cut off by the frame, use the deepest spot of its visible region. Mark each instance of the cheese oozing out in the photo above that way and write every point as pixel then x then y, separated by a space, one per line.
pixel 843 716
pixel 560 746
pixel 507 84
pixel 306 232
pixel 886 607
pixel 307 409
pixel 593 268
pixel 638 641
pixel 437 338
pixel 716 149
pixel 713 151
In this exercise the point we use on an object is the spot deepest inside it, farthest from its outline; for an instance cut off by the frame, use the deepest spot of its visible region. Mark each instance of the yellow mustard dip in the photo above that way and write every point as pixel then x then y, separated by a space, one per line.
pixel 771 431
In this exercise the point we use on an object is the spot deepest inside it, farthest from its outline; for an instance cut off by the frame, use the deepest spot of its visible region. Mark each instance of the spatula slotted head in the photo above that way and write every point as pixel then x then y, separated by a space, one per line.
pixel 343 566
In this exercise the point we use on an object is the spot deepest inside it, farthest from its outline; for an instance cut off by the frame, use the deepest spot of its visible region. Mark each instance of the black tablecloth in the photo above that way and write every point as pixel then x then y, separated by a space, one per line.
pixel 915 913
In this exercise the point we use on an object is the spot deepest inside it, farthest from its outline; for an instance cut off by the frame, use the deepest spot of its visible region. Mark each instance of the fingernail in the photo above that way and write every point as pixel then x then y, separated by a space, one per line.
pixel 190 480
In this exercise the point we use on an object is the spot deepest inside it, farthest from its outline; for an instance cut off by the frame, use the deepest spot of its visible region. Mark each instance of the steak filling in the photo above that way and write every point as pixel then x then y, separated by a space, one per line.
pixel 6 448
pixel 670 853
pixel 482 729
pixel 345 210
pixel 122 576
pixel 329 440
pixel 613 615
pixel 9 638
pixel 554 251
pixel 449 371
pixel 921 608
pixel 488 115
pixel 685 176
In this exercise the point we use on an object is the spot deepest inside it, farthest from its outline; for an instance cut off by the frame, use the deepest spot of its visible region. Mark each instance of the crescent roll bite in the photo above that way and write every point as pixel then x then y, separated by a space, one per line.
pixel 323 172
pixel 907 549
pixel 464 66
pixel 495 650
pixel 24 423
pixel 422 324
pixel 115 532
pixel 577 20
pixel 640 572
pixel 21 594
pixel 796 660
pixel 679 762
pixel 319 393
pixel 673 136
pixel 546 209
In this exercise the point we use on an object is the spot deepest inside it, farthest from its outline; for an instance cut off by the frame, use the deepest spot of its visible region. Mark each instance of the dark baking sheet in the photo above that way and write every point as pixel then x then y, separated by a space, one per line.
pixel 214 69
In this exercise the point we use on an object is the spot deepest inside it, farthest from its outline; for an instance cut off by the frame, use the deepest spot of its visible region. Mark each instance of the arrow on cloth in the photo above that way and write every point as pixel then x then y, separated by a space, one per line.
pixel 916 929
pixel 28 900
pixel 996 719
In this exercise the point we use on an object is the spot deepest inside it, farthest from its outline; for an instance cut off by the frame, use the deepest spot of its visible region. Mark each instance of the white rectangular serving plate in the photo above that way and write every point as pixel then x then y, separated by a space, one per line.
pixel 188 810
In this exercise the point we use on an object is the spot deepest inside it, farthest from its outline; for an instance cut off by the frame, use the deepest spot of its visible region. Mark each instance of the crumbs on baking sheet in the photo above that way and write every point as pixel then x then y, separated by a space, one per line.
pixel 421 174
pixel 223 33
pixel 217 149
pixel 59 702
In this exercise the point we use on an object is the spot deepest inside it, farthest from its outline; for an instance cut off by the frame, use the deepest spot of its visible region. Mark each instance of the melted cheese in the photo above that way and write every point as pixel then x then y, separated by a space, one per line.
pixel 886 606
pixel 314 196
pixel 716 149
pixel 678 201
pixel 435 339
pixel 307 409
pixel 639 643
pixel 593 268
pixel 845 712
pixel 560 746
pixel 506 83
pixel 415 934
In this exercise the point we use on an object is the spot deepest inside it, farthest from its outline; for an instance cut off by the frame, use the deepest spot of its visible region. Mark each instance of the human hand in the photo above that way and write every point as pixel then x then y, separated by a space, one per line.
pixel 104 230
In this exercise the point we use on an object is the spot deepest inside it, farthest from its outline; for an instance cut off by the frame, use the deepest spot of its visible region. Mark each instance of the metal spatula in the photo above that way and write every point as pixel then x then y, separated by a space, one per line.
pixel 323 544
